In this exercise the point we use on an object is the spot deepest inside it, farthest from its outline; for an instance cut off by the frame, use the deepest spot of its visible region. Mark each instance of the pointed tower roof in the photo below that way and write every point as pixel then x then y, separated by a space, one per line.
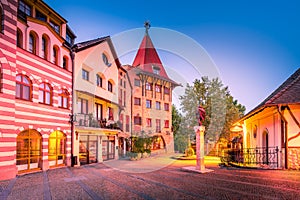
pixel 147 58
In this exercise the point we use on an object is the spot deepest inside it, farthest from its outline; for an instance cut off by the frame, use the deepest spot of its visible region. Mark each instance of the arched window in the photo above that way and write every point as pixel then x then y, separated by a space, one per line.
pixel 1 19
pixel 45 93
pixel 110 86
pixel 55 56
pixel 23 88
pixel 28 150
pixel 19 38
pixel 63 98
pixel 65 62
pixel 57 148
pixel 32 44
pixel 99 80
pixel 44 53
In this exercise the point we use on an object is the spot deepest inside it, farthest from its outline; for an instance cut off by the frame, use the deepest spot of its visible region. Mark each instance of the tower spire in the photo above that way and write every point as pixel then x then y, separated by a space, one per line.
pixel 147 26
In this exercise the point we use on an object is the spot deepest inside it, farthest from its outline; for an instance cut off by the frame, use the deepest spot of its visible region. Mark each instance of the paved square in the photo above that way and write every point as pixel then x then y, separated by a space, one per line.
pixel 101 181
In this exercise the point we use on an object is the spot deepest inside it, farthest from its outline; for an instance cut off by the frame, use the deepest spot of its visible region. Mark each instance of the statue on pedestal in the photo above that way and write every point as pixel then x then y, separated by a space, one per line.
pixel 201 115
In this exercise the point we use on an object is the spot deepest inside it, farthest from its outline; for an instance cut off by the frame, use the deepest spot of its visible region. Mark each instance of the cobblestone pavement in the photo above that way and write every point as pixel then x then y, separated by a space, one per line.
pixel 112 180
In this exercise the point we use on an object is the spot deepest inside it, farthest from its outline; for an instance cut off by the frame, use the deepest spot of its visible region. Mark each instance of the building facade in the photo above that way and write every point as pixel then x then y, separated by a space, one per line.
pixel 151 97
pixel 36 88
pixel 271 131
pixel 100 91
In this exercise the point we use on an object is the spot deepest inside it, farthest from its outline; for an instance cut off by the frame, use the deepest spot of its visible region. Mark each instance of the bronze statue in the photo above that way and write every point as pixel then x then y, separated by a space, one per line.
pixel 201 115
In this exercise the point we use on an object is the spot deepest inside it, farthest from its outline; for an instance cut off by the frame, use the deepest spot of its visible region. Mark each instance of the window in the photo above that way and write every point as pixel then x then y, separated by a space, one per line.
pixel 157 88
pixel 32 44
pixel 149 122
pixel 148 103
pixel 44 48
pixel 19 38
pixel 98 80
pixel 55 26
pixel 137 101
pixel 55 56
pixel 137 120
pixel 148 86
pixel 40 16
pixel 127 123
pixel 109 86
pixel 45 93
pixel 69 38
pixel 63 98
pixel 65 62
pixel 1 20
pixel 157 105
pixel 85 74
pixel 99 110
pixel 156 70
pixel 82 106
pixel 24 10
pixel 23 88
pixel 166 123
pixel 167 108
pixel 110 113
pixel 158 129
pixel 137 82
pixel 167 90
pixel 124 98
pixel 105 60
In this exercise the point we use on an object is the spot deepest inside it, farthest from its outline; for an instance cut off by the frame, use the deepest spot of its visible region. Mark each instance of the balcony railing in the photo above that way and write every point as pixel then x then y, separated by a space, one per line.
pixel 87 120
pixel 259 156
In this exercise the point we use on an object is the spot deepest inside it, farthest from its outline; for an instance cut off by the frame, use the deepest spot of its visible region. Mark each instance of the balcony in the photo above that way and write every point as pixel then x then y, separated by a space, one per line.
pixel 87 120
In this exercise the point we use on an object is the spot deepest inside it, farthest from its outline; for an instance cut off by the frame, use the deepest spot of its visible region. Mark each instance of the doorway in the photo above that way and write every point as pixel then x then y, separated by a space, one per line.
pixel 28 150
pixel 88 149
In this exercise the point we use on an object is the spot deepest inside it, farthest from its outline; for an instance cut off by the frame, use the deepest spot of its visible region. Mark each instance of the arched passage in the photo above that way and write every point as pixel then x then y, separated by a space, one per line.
pixel 28 150
pixel 57 148
pixel 158 142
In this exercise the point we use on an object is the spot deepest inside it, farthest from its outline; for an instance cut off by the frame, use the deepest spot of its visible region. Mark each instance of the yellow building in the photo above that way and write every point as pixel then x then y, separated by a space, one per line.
pixel 271 131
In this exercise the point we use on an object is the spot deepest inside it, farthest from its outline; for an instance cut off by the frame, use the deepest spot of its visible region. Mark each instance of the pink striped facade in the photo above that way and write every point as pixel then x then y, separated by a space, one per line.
pixel 17 115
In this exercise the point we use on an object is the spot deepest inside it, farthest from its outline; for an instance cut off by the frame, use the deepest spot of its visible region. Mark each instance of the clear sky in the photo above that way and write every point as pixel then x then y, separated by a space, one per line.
pixel 254 44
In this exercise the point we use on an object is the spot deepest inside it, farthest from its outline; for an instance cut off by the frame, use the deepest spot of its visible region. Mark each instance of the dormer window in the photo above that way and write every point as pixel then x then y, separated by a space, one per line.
pixel 40 16
pixel 156 70
pixel 105 60
pixel 24 10
pixel 55 26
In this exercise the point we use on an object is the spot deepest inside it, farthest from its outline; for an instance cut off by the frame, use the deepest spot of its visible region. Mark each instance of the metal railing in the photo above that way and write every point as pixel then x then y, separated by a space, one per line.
pixel 87 120
pixel 260 156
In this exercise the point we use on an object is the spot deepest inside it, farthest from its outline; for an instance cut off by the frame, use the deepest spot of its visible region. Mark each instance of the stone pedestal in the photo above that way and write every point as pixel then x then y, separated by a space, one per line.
pixel 199 130
pixel 200 167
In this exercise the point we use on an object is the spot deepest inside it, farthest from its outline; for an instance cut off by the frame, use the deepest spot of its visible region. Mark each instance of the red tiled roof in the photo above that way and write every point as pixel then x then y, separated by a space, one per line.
pixel 147 58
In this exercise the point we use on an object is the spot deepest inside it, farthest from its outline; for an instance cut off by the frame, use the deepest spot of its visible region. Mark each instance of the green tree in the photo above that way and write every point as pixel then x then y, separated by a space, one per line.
pixel 176 120
pixel 221 109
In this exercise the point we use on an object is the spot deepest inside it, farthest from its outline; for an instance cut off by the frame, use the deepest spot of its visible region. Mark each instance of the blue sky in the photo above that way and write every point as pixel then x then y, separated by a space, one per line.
pixel 254 44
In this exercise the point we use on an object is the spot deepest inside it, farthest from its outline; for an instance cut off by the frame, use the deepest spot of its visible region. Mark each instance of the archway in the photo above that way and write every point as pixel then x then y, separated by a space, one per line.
pixel 57 148
pixel 158 142
pixel 28 150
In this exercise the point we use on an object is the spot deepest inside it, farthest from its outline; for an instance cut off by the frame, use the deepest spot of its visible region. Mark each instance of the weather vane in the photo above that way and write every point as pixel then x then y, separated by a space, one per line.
pixel 147 26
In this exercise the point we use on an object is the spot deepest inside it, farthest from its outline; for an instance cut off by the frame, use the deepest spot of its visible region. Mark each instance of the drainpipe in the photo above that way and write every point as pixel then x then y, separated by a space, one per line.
pixel 285 135
pixel 72 54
